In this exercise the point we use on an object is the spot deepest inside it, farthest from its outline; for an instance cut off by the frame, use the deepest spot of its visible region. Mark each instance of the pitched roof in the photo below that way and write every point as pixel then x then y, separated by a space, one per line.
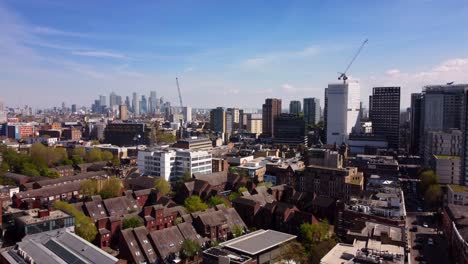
pixel 188 232
pixel 167 241
pixel 134 249
pixel 214 179
pixel 141 235
pixel 95 210
pixel 49 191
pixel 120 206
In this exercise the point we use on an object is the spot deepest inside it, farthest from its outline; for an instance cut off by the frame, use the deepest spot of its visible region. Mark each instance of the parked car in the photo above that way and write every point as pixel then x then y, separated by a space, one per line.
pixel 425 225
pixel 430 241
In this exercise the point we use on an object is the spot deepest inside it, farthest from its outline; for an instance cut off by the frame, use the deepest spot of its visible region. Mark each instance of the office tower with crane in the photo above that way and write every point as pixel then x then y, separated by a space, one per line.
pixel 342 106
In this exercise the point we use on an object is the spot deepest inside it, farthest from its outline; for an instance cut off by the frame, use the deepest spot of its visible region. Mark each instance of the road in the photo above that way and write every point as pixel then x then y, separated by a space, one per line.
pixel 417 217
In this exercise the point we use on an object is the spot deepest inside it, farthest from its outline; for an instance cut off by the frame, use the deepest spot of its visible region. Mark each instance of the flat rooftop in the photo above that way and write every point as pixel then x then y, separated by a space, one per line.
pixel 458 188
pixel 31 216
pixel 258 241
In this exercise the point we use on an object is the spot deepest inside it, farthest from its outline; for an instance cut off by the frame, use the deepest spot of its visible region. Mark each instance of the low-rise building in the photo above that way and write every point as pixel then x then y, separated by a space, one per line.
pixel 56 247
pixel 457 194
pixel 195 143
pixel 261 246
pixel 323 157
pixel 36 221
pixel 455 227
pixel 172 164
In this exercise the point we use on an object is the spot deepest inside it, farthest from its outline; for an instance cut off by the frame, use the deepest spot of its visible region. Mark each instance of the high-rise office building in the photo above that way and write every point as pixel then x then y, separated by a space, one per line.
pixel 384 112
pixel 441 109
pixel 118 100
pixel 235 114
pixel 112 100
pixel 311 110
pixel 295 107
pixel 254 123
pixel 415 123
pixel 152 102
pixel 135 105
pixel 187 112
pixel 218 120
pixel 464 147
pixel 123 112
pixel 344 115
pixel 270 110
pixel 229 122
pixel 127 103
pixel 102 100
pixel 290 129
pixel 143 105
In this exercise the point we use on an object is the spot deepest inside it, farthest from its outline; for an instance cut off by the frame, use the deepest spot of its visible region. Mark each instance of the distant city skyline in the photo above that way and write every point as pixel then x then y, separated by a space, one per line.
pixel 237 52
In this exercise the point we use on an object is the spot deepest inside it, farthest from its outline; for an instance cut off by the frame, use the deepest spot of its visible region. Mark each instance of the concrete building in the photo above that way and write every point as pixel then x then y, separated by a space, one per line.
pixel 56 247
pixel 152 102
pixel 254 123
pixel 172 164
pixel 135 105
pixel 311 110
pixel 447 169
pixel 324 158
pixel 295 107
pixel 195 143
pixel 289 129
pixel 218 120
pixel 339 183
pixel 442 143
pixel 457 195
pixel 344 115
pixel 261 246
pixel 123 112
pixel 384 113
pixel 415 123
pixel 270 110
pixel 127 134
pixel 187 112
pixel 455 230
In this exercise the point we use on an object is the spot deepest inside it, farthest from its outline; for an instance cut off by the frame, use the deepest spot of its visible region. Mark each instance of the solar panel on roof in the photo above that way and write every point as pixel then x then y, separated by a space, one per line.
pixel 63 253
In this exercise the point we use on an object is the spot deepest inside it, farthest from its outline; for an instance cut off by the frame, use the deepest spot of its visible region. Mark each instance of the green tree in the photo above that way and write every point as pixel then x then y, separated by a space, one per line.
pixel 95 142
pixel 242 189
pixel 107 155
pixel 194 203
pixel 237 230
pixel 433 195
pixel 132 222
pixel 162 137
pixel 162 186
pixel 427 178
pixel 77 160
pixel 313 233
pixel 111 188
pixel 319 250
pixel 266 184
pixel 84 226
pixel 189 249
pixel 89 187
pixel 215 200
pixel 178 220
pixel 116 162
pixel 79 152
pixel 293 253
pixel 94 155
pixel 233 195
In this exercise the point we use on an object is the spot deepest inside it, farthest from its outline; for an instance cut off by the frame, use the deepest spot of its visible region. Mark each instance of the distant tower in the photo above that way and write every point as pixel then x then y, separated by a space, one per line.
pixel 123 112
pixel 187 111
pixel 295 107
pixel 135 105
pixel 311 110
pixel 270 110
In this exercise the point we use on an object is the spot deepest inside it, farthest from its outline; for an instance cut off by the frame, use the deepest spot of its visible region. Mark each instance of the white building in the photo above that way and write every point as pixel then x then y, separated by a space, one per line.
pixel 447 169
pixel 172 163
pixel 343 105
pixel 187 112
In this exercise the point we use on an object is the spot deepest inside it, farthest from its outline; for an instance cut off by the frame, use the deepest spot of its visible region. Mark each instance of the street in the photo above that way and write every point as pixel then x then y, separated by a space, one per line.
pixel 421 228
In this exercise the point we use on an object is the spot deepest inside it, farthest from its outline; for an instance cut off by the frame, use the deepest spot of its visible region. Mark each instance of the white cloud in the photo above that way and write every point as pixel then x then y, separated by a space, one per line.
pixel 392 72
pixel 56 32
pixel 265 59
pixel 100 54
pixel 288 88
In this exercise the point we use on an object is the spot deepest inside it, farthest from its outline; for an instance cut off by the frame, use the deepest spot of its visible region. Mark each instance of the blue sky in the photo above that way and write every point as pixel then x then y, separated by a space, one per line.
pixel 227 53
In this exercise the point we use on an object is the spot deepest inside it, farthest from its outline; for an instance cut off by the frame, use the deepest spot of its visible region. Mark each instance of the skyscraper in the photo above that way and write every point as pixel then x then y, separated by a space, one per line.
pixel 152 102
pixel 102 100
pixel 143 105
pixel 218 120
pixel 311 110
pixel 415 123
pixel 270 110
pixel 112 100
pixel 344 115
pixel 135 105
pixel 73 108
pixel 384 112
pixel 187 112
pixel 127 102
pixel 295 107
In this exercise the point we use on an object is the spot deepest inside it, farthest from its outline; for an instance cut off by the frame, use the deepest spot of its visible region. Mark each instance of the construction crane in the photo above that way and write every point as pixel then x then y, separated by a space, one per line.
pixel 343 75
pixel 180 95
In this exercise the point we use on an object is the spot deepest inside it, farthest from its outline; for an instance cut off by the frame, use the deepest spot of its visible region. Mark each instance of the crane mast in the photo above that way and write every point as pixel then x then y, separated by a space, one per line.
pixel 180 95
